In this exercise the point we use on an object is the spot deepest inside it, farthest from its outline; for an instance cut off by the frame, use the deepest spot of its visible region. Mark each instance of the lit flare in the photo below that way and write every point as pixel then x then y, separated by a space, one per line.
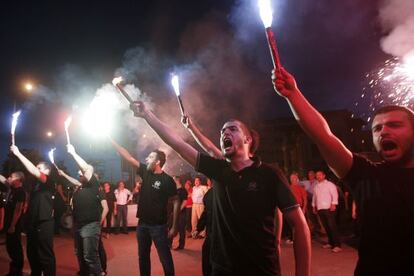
pixel 14 124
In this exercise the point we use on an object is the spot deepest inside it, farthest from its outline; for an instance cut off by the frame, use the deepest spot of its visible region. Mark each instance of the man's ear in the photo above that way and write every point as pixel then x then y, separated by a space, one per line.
pixel 247 139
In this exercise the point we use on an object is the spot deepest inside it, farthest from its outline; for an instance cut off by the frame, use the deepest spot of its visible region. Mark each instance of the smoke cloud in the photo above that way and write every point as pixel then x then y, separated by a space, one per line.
pixel 397 19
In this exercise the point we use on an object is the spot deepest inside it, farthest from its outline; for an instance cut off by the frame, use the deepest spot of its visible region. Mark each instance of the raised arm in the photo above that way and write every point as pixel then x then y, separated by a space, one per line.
pixel 125 154
pixel 186 151
pixel 86 169
pixel 200 138
pixel 72 180
pixel 31 168
pixel 336 155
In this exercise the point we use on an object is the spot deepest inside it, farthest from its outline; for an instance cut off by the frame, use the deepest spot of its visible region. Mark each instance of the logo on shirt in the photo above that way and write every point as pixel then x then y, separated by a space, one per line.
pixel 156 185
pixel 252 187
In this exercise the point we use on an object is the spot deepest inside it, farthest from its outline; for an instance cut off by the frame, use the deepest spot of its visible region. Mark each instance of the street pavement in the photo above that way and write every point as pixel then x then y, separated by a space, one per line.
pixel 122 258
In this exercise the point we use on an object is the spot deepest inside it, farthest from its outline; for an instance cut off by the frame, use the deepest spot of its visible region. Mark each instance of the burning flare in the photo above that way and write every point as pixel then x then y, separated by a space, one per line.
pixel 51 157
pixel 117 80
pixel 14 124
pixel 14 121
pixel 175 83
pixel 266 12
pixel 68 121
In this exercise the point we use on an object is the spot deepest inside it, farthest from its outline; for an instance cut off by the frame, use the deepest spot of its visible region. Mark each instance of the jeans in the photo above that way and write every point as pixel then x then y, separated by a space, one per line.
pixel 86 248
pixel 121 217
pixel 146 234
pixel 39 248
pixel 329 223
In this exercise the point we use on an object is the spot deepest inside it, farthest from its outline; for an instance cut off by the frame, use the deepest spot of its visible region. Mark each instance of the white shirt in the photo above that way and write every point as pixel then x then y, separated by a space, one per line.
pixel 122 196
pixel 325 194
pixel 198 194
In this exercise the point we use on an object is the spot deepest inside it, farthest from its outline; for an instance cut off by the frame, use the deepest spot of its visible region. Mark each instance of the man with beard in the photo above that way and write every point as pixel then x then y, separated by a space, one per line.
pixel 12 224
pixel 385 207
pixel 39 218
pixel 245 197
pixel 157 187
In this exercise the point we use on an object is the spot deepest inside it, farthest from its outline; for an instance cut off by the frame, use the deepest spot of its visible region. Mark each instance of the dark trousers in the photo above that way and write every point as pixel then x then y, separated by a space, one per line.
pixel 146 234
pixel 205 257
pixel 86 248
pixel 102 255
pixel 328 221
pixel 15 251
pixel 121 218
pixel 188 212
pixel 40 249
pixel 108 219
pixel 182 223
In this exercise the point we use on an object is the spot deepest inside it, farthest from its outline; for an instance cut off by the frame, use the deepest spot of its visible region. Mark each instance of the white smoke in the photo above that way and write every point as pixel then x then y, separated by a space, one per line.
pixel 397 19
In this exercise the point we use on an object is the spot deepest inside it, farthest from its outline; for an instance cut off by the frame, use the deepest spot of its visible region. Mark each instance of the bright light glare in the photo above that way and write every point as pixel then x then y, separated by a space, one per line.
pixel 49 134
pixel 28 86
pixel 266 12
pixel 98 119
pixel 117 80
pixel 14 121
pixel 175 84
pixel 51 157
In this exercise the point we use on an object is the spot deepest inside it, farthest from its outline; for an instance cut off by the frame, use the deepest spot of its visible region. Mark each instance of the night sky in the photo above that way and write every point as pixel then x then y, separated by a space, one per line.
pixel 69 49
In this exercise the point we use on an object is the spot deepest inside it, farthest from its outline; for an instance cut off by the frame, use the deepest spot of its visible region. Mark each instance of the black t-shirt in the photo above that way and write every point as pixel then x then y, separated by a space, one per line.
pixel 17 195
pixel 41 202
pixel 3 193
pixel 182 195
pixel 384 197
pixel 111 199
pixel 243 240
pixel 154 194
pixel 87 206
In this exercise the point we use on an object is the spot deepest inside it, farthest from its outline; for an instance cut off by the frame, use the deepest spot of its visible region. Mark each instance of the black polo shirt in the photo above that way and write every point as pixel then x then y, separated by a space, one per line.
pixel 243 239
pixel 384 195
pixel 87 206
pixel 154 194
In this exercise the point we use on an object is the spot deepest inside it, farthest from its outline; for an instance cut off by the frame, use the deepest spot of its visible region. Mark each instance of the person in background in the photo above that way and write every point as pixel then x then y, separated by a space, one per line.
pixel 123 198
pixel 188 207
pixel 111 201
pixel 182 195
pixel 301 197
pixel 12 221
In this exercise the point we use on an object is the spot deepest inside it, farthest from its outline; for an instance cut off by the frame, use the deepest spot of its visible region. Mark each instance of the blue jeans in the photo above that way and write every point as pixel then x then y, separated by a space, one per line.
pixel 86 248
pixel 145 235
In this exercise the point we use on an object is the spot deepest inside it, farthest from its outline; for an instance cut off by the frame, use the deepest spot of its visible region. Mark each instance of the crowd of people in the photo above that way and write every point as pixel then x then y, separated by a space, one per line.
pixel 241 209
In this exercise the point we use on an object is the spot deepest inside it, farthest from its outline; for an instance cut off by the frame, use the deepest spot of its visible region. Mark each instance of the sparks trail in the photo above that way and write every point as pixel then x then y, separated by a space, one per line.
pixel 390 84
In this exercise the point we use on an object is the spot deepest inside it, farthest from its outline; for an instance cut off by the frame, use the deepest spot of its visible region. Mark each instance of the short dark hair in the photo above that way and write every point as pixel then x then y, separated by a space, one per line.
pixel 160 156
pixel 46 165
pixel 20 175
pixel 252 133
pixel 390 108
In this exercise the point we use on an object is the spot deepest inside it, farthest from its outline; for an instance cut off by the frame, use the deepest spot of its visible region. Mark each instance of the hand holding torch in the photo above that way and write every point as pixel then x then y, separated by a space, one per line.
pixel 266 15
pixel 13 126
pixel 176 86
pixel 67 124
pixel 117 83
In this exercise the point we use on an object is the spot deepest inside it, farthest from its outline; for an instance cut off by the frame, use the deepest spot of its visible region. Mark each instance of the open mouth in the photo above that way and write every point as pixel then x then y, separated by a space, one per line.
pixel 388 145
pixel 227 143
